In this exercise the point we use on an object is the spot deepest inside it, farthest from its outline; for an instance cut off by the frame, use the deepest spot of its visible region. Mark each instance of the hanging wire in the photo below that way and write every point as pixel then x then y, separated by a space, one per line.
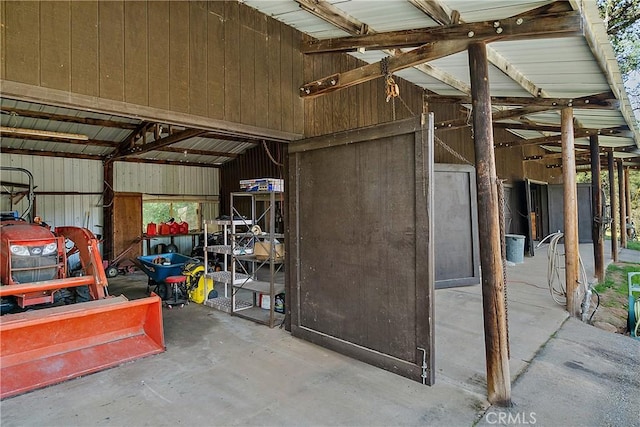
pixel 264 144
pixel 451 151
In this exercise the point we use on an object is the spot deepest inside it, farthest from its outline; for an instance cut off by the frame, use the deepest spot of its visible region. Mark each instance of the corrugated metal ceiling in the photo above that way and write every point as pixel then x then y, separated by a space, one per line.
pixel 560 67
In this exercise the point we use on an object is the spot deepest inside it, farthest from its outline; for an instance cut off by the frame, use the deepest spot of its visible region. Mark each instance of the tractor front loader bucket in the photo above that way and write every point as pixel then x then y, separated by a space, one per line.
pixel 44 347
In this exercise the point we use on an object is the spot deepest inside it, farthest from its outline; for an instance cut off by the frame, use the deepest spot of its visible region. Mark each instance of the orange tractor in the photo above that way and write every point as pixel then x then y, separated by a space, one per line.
pixel 56 327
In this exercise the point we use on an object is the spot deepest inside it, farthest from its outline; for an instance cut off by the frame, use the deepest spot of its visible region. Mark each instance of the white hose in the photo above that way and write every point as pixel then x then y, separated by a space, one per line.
pixel 557 281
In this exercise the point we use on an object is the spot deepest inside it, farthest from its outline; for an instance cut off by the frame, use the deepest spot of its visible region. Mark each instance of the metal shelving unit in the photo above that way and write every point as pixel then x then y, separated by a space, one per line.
pixel 224 277
pixel 257 257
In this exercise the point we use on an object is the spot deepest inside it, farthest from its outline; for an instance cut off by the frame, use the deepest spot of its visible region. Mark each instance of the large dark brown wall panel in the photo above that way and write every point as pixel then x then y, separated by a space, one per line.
pixel 111 26
pixel 55 45
pixel 23 41
pixel 179 56
pixel 158 15
pixel 84 47
pixel 198 58
pixel 136 66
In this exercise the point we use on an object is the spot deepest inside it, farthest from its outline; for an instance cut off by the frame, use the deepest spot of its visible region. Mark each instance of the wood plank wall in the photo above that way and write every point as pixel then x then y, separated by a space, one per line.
pixel 221 60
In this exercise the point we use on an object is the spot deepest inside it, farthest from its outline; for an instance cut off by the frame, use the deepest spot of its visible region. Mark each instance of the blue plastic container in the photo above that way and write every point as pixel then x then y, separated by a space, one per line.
pixel 159 267
pixel 515 248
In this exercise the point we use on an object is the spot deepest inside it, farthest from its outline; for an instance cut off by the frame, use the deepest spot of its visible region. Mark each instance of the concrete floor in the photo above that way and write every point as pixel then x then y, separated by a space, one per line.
pixel 222 370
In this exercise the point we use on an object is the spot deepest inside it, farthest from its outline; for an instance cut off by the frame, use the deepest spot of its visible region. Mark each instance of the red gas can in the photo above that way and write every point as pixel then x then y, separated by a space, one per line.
pixel 164 228
pixel 183 228
pixel 152 229
pixel 174 228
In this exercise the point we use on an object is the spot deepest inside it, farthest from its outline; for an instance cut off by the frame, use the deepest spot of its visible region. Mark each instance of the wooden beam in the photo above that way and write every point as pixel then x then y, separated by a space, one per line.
pixel 372 71
pixel 579 154
pixel 562 24
pixel 444 77
pixel 95 142
pixel 622 204
pixel 499 115
pixel 328 12
pixel 139 132
pixel 601 101
pixel 578 133
pixel 50 153
pixel 167 162
pixel 162 142
pixel 493 286
pixel 627 193
pixel 597 227
pixel 570 197
pixel 198 152
pixel 613 207
pixel 67 119
pixel 502 64
pixel 619 131
pixel 437 11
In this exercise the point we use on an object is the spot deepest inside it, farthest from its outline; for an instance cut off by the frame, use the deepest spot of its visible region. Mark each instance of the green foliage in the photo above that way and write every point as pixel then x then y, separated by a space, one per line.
pixel 616 278
pixel 158 212
pixel 622 19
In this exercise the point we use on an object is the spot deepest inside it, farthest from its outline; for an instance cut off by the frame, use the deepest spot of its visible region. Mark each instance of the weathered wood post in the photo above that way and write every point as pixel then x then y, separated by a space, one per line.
pixel 493 303
pixel 571 249
pixel 596 209
pixel 627 192
pixel 623 205
pixel 614 207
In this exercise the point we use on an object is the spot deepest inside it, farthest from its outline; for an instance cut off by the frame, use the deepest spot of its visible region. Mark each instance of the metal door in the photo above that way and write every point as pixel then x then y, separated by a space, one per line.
pixel 361 254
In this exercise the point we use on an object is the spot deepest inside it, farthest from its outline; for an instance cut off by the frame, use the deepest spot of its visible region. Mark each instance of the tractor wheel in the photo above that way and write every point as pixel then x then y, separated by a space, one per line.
pixel 112 271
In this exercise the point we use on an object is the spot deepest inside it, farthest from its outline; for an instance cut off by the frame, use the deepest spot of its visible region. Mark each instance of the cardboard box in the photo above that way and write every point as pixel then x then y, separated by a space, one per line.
pixel 262 184
pixel 262 250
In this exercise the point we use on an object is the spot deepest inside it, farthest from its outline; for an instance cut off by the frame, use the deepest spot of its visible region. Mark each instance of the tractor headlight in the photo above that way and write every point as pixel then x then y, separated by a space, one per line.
pixel 19 250
pixel 50 249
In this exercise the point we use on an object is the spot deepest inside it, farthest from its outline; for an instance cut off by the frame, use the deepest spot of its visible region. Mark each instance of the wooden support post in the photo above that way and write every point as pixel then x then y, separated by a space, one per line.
pixel 493 291
pixel 107 211
pixel 627 193
pixel 596 207
pixel 623 205
pixel 613 206
pixel 571 249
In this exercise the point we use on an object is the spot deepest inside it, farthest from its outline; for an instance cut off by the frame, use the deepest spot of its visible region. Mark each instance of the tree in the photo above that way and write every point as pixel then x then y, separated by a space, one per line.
pixel 622 20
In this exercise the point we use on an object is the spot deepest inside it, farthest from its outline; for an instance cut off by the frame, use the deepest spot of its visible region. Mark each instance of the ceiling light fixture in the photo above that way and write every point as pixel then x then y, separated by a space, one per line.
pixel 42 133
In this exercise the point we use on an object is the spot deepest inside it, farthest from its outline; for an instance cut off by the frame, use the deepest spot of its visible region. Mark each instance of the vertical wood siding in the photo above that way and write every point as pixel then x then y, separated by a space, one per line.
pixel 221 60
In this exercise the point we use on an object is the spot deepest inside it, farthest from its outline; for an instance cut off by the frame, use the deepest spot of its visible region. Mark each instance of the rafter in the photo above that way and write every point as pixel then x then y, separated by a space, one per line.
pixel 579 133
pixel 198 152
pixel 498 115
pixel 563 24
pixel 327 12
pixel 65 118
pixel 437 11
pixel 502 64
pixel 446 41
pixel 96 142
pixel 600 101
pixel 6 150
pixel 162 142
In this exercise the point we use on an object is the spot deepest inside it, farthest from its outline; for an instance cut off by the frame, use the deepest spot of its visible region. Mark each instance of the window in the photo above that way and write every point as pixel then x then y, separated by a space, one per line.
pixel 189 209
pixel 159 211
